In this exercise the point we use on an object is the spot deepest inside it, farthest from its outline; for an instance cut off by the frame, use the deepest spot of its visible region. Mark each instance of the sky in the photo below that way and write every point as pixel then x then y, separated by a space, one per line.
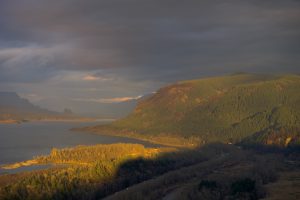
pixel 93 56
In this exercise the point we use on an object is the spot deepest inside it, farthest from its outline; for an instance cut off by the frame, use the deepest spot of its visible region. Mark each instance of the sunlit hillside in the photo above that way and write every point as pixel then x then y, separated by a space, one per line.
pixel 229 109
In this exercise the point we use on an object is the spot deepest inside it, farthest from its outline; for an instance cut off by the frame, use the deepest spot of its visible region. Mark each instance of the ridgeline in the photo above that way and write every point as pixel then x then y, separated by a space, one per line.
pixel 238 108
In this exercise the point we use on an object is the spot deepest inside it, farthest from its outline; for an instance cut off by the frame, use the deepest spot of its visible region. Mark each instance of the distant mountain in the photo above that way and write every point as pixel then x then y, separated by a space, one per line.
pixel 13 107
pixel 10 100
pixel 247 108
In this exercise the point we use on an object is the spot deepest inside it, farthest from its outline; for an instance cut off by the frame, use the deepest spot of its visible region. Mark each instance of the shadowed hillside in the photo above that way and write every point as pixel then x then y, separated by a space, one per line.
pixel 226 109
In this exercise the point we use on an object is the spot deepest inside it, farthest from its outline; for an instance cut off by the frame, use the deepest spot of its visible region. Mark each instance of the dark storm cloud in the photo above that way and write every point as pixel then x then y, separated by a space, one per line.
pixel 93 51
pixel 150 39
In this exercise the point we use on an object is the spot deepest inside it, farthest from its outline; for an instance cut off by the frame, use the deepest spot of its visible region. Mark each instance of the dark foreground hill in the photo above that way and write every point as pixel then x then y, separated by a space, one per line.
pixel 247 108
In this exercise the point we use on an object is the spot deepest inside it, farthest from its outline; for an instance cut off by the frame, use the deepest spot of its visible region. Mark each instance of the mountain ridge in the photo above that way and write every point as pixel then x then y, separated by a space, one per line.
pixel 14 109
pixel 225 109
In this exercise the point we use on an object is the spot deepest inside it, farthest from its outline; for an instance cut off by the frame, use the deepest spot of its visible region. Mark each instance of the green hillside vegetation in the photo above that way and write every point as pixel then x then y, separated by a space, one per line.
pixel 226 109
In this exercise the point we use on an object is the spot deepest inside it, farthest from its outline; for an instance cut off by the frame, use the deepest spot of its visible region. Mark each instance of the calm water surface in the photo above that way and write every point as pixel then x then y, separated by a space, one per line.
pixel 19 142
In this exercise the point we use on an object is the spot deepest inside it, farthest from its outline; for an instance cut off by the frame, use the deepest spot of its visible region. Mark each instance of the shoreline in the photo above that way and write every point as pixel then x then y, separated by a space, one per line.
pixel 152 141
pixel 40 162
pixel 10 121
pixel 20 164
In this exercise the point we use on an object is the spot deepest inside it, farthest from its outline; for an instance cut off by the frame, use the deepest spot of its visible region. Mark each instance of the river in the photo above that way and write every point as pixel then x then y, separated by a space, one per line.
pixel 19 142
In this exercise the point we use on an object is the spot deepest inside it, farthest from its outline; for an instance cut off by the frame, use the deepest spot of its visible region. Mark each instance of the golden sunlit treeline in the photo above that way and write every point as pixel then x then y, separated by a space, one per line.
pixel 86 172
pixel 90 154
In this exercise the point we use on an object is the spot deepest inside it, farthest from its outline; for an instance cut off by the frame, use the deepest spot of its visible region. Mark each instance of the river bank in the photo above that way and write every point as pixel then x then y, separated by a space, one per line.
pixel 165 140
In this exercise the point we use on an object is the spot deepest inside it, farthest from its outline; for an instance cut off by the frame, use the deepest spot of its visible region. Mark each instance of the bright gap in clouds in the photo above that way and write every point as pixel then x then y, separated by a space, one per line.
pixel 109 100
pixel 90 78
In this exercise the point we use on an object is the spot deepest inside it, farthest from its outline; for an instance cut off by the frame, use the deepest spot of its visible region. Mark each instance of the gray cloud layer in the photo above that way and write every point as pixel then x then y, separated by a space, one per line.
pixel 150 41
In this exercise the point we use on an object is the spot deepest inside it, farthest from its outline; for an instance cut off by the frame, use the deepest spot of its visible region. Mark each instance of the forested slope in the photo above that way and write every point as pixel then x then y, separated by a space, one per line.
pixel 230 109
